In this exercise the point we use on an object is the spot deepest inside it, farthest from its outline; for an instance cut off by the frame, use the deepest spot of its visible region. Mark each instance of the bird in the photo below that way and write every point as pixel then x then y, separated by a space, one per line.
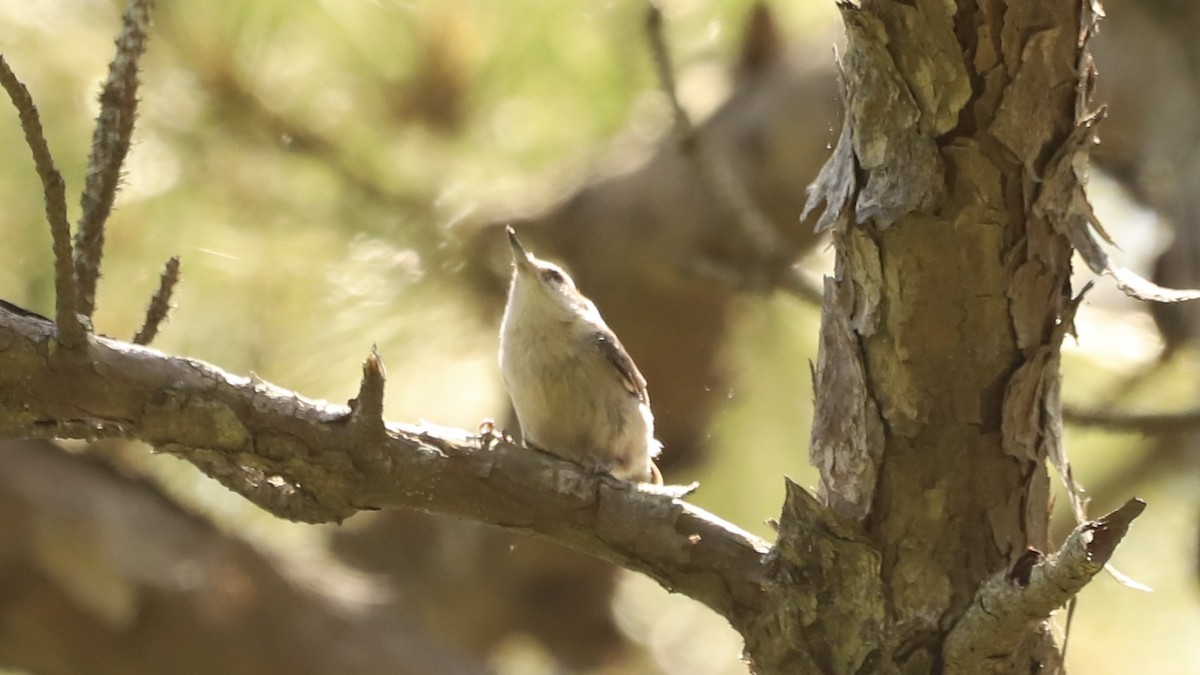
pixel 576 392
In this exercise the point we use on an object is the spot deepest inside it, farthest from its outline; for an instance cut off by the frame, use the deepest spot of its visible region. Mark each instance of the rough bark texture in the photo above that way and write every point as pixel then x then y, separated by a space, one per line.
pixel 938 379
pixel 1011 605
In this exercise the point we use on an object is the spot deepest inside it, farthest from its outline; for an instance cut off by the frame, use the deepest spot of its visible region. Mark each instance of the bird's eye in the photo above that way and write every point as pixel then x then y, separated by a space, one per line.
pixel 552 276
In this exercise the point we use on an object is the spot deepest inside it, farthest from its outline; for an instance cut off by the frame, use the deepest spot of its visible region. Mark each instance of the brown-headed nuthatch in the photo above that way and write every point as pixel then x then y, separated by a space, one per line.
pixel 576 392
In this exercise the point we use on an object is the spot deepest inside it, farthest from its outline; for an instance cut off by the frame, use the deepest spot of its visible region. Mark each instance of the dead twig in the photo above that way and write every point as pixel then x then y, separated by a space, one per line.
pixel 70 328
pixel 110 144
pixel 160 303
pixel 1132 422
pixel 776 268
pixel 1013 600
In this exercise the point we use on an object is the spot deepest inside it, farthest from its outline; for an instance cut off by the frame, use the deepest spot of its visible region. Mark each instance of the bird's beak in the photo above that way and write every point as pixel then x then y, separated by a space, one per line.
pixel 520 258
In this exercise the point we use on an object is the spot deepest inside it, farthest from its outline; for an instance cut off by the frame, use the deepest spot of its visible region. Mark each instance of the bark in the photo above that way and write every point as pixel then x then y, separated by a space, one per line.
pixel 937 386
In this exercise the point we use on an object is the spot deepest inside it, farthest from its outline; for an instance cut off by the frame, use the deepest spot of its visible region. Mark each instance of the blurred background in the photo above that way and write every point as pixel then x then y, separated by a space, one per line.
pixel 334 174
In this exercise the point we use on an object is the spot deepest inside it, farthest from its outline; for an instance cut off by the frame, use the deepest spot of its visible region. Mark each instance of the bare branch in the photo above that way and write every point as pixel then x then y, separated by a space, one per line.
pixel 160 304
pixel 777 270
pixel 110 144
pixel 366 409
pixel 1012 602
pixel 251 114
pixel 295 458
pixel 1133 422
pixel 71 330
pixel 665 70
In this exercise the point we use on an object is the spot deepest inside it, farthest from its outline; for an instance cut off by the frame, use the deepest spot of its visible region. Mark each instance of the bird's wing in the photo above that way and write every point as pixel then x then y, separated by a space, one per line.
pixel 611 348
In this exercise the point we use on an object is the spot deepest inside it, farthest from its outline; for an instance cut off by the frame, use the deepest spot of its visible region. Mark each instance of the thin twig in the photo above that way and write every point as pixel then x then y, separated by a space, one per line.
pixel 769 247
pixel 1066 641
pixel 665 70
pixel 287 454
pixel 1147 423
pixel 1008 604
pixel 110 144
pixel 160 304
pixel 366 409
pixel 71 330
pixel 253 114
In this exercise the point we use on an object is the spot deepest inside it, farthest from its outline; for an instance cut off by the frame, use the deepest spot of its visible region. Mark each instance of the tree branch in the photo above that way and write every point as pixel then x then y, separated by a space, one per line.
pixel 1012 602
pixel 298 459
pixel 776 268
pixel 1133 422
pixel 110 144
pixel 54 190
pixel 160 303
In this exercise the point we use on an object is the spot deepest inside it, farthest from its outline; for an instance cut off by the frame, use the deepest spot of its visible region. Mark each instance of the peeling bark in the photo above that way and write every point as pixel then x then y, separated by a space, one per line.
pixel 937 397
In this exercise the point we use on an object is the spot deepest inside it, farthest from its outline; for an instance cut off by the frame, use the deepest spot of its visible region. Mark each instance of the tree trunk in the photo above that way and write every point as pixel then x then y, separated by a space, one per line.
pixel 937 382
